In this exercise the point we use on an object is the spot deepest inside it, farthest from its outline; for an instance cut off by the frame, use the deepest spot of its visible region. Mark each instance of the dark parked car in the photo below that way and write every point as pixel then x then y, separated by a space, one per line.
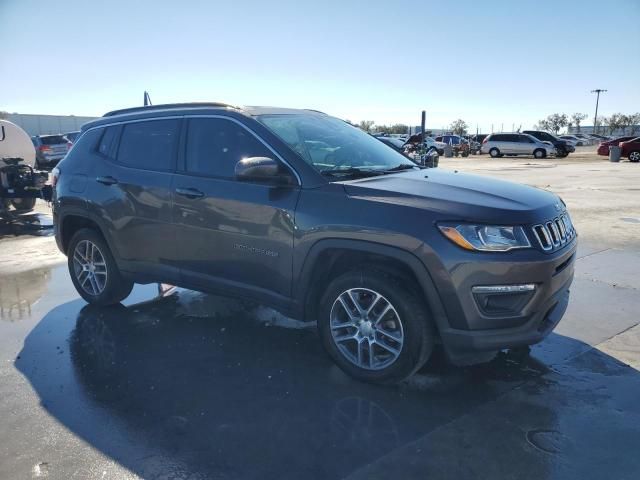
pixel 562 148
pixel 603 148
pixel 631 149
pixel 50 149
pixel 389 259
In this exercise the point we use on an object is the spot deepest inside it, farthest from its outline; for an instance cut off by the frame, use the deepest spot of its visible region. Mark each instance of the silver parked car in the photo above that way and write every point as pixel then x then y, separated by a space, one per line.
pixel 499 144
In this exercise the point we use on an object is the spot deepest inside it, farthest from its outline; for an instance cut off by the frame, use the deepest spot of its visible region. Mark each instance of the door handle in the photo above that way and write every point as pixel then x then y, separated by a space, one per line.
pixel 189 192
pixel 106 180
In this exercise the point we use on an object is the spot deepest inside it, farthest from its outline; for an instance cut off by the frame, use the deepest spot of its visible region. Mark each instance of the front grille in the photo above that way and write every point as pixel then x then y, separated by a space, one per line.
pixel 555 233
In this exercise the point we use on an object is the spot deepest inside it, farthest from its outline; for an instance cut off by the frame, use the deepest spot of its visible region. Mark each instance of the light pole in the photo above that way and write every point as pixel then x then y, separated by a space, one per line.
pixel 595 117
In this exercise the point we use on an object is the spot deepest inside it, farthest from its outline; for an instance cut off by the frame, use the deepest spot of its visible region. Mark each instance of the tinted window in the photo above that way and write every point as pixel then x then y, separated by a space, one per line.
pixel 216 145
pixel 498 138
pixel 149 145
pixel 524 139
pixel 106 142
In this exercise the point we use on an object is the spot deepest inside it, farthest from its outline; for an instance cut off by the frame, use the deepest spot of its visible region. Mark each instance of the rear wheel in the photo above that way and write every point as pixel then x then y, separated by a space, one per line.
pixel 373 327
pixel 539 153
pixel 23 204
pixel 634 156
pixel 94 271
pixel 494 152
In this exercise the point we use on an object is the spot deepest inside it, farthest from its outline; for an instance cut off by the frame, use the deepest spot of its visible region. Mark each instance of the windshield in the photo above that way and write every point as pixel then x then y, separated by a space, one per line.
pixel 331 145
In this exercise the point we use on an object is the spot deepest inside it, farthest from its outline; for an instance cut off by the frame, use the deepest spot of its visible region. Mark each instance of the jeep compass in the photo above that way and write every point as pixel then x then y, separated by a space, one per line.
pixel 308 214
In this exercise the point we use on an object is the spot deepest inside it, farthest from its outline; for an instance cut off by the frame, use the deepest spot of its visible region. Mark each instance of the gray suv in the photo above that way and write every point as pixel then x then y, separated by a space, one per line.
pixel 306 213
pixel 512 144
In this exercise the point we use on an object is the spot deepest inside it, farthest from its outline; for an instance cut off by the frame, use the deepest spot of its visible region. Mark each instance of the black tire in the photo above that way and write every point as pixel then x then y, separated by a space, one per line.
pixel 539 153
pixel 115 288
pixel 440 152
pixel 23 204
pixel 634 156
pixel 561 153
pixel 417 329
pixel 494 153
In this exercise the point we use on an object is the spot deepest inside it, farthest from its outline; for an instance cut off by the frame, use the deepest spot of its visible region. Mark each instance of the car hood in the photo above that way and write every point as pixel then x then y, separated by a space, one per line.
pixel 459 196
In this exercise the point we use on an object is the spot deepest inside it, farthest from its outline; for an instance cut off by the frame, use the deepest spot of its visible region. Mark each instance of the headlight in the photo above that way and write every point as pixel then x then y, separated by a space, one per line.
pixel 486 238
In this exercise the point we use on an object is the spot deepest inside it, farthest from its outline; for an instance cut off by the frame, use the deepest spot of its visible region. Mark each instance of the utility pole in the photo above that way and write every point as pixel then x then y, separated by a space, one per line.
pixel 595 117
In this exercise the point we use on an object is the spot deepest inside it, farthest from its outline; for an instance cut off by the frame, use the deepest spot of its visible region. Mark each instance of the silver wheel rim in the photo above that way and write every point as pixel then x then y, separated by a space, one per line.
pixel 90 267
pixel 494 153
pixel 634 156
pixel 538 154
pixel 366 329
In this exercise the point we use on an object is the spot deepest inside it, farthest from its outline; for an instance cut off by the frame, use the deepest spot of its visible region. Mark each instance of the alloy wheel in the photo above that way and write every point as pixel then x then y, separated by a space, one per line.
pixel 366 328
pixel 634 156
pixel 90 267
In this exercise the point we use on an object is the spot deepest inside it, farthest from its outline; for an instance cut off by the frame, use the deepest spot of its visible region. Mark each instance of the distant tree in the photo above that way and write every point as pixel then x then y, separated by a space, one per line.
pixel 366 125
pixel 635 123
pixel 399 128
pixel 4 115
pixel 459 127
pixel 626 121
pixel 543 125
pixel 615 122
pixel 557 121
pixel 576 119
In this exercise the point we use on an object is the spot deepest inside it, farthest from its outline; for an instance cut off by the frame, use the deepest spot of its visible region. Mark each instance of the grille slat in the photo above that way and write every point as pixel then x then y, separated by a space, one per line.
pixel 554 233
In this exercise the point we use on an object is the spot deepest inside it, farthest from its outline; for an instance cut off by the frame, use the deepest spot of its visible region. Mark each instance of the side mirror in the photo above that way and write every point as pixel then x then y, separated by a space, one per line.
pixel 261 169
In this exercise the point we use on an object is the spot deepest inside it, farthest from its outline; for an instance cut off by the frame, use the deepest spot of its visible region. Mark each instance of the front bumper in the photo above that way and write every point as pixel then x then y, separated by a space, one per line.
pixel 475 330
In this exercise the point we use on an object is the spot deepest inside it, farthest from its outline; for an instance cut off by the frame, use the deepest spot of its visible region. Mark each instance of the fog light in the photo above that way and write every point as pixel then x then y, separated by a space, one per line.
pixel 502 300
pixel 528 287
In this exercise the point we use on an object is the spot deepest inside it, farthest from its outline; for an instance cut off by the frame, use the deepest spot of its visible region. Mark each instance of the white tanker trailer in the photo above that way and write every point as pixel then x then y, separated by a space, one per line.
pixel 20 184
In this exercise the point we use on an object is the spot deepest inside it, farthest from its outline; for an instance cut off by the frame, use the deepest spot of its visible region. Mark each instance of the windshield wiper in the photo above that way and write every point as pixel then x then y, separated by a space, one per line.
pixel 402 166
pixel 351 171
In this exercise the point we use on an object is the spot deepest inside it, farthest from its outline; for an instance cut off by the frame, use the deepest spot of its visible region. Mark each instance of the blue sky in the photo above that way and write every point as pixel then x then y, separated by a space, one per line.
pixel 487 62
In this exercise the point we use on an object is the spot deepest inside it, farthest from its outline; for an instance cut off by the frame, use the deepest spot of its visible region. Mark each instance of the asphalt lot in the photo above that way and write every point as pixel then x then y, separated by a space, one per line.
pixel 193 386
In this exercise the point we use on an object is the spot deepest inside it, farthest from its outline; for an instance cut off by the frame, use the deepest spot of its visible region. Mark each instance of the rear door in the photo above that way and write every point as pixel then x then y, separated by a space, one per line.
pixel 133 194
pixel 235 236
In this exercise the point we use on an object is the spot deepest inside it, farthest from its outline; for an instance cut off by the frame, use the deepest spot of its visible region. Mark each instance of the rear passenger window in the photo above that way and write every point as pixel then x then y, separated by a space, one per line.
pixel 216 145
pixel 149 145
pixel 106 141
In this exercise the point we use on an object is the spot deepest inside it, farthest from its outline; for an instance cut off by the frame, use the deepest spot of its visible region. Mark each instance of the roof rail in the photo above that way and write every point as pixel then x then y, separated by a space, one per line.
pixel 167 106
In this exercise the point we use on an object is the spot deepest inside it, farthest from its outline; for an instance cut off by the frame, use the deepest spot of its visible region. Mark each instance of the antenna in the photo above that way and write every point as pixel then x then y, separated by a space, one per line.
pixel 147 99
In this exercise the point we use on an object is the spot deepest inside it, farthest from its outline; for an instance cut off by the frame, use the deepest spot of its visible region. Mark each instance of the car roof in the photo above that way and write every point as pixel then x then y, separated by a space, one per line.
pixel 177 109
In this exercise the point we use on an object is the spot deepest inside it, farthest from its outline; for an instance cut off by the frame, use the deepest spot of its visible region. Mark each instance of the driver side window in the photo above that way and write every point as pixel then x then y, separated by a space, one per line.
pixel 216 145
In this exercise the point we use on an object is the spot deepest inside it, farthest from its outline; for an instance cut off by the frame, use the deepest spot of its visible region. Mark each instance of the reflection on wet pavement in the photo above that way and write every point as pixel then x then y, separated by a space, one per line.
pixel 19 292
pixel 14 224
pixel 188 385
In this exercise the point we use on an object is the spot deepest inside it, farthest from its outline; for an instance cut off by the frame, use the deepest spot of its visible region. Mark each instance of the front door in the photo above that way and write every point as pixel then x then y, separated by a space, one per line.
pixel 233 235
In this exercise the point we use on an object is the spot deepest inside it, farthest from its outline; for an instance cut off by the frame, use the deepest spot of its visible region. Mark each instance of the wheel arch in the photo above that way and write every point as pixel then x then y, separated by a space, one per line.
pixel 331 257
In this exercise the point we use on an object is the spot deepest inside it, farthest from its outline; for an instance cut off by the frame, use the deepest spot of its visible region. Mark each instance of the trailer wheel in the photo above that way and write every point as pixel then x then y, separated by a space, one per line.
pixel 23 204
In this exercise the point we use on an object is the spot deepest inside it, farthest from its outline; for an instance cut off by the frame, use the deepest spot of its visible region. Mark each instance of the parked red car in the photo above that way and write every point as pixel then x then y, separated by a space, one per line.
pixel 631 149
pixel 603 148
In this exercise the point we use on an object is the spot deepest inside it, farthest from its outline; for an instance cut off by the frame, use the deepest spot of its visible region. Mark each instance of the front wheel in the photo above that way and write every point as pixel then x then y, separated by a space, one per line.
pixel 94 271
pixel 634 156
pixel 374 327
pixel 494 152
pixel 539 153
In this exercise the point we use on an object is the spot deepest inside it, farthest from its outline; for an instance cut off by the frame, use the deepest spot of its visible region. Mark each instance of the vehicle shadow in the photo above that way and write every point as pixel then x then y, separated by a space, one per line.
pixel 13 224
pixel 185 385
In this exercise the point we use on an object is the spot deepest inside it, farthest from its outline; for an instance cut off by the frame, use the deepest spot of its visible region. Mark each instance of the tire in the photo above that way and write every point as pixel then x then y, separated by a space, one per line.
pixel 562 153
pixel 494 152
pixel 108 287
pixel 23 204
pixel 634 156
pixel 539 153
pixel 403 311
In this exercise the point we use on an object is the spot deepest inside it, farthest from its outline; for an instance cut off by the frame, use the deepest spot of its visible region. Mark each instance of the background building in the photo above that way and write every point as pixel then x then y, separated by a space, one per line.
pixel 35 124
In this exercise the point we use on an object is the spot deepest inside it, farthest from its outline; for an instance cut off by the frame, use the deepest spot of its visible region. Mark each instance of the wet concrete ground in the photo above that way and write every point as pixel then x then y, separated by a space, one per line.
pixel 191 386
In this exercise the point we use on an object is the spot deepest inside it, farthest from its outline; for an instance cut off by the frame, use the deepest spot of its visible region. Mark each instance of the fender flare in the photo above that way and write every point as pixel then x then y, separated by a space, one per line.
pixel 302 284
